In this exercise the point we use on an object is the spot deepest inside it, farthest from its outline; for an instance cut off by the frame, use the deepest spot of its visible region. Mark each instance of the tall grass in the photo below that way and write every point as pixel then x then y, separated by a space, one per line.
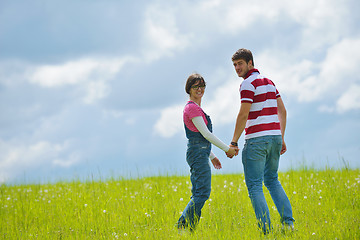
pixel 326 205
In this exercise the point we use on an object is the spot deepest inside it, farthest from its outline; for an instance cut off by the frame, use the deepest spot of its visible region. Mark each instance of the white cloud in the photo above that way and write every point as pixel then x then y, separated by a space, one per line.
pixel 322 22
pixel 338 72
pixel 75 72
pixel 162 36
pixel 294 79
pixel 15 156
pixel 349 100
pixel 90 74
pixel 326 109
pixel 222 106
pixel 170 121
pixel 110 113
pixel 95 91
pixel 309 81
pixel 342 62
pixel 72 159
pixel 317 23
pixel 227 16
pixel 242 14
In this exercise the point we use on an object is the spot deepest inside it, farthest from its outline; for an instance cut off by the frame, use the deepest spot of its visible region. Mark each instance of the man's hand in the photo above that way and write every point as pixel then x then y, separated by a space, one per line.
pixel 233 151
pixel 283 148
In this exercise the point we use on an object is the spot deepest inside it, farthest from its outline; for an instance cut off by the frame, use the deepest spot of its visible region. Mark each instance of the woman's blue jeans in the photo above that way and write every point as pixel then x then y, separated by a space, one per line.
pixel 197 157
pixel 260 158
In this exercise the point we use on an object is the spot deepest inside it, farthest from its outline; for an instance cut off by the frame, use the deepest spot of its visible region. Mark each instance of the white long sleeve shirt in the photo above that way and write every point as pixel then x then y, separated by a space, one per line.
pixel 201 126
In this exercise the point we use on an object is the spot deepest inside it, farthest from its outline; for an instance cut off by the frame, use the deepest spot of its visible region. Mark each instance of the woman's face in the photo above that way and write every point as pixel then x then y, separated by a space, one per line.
pixel 197 90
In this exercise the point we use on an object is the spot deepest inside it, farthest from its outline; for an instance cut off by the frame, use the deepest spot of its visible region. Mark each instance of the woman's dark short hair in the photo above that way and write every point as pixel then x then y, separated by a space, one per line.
pixel 244 54
pixel 192 79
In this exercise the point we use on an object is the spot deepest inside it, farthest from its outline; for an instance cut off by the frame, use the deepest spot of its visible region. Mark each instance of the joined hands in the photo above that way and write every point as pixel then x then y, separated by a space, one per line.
pixel 233 151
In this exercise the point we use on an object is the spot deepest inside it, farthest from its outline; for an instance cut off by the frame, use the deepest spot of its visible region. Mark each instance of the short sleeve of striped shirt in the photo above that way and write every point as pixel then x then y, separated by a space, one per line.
pixel 247 92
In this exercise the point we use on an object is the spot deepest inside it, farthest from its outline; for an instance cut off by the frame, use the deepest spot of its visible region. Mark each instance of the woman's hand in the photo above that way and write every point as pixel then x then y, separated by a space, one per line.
pixel 216 163
pixel 233 151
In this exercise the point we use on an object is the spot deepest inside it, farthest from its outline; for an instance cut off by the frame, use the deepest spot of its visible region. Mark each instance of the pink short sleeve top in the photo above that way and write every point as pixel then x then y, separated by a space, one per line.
pixel 192 110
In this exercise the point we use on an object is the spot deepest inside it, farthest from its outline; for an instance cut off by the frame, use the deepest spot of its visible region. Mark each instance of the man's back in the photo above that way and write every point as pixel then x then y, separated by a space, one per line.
pixel 262 94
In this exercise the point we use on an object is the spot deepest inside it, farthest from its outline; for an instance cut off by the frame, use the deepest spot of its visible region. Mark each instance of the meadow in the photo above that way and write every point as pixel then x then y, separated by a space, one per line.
pixel 326 205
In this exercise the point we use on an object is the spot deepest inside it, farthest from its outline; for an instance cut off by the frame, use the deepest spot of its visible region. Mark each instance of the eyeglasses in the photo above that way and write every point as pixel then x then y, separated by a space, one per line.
pixel 196 87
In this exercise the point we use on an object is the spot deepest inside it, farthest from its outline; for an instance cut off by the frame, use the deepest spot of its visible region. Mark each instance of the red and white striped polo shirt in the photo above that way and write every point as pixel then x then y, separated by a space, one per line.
pixel 262 94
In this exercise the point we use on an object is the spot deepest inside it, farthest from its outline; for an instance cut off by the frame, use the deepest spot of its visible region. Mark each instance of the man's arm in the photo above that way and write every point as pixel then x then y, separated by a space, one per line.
pixel 282 119
pixel 241 120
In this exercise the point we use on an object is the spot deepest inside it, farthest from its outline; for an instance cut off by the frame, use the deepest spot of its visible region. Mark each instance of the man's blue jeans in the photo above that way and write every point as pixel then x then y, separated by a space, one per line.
pixel 260 158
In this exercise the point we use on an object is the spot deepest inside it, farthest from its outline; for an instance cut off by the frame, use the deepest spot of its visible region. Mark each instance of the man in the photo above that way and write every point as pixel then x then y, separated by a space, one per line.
pixel 263 116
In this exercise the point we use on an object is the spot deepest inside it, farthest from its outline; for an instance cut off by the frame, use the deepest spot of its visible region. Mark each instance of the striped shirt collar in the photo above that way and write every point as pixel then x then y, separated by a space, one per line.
pixel 250 72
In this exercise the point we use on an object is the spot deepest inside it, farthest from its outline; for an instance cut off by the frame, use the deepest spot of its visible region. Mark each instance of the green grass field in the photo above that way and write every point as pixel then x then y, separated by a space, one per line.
pixel 326 205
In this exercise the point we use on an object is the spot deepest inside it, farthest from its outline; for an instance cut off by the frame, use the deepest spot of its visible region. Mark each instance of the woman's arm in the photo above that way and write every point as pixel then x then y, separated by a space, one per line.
pixel 200 125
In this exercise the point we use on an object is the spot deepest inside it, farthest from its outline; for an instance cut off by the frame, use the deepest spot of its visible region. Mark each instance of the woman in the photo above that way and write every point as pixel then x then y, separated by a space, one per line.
pixel 198 130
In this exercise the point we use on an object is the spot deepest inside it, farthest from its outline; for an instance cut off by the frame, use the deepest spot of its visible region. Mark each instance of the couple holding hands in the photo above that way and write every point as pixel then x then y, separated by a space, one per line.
pixel 263 117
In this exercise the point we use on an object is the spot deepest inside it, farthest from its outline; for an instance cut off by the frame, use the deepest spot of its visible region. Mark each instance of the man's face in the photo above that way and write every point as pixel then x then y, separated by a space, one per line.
pixel 241 67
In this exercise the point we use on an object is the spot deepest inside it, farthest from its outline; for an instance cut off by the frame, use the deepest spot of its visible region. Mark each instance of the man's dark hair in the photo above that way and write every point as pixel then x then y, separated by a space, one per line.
pixel 244 54
pixel 192 79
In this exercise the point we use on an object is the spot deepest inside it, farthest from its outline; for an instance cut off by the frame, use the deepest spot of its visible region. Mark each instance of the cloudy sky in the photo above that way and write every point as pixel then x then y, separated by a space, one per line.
pixel 96 88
